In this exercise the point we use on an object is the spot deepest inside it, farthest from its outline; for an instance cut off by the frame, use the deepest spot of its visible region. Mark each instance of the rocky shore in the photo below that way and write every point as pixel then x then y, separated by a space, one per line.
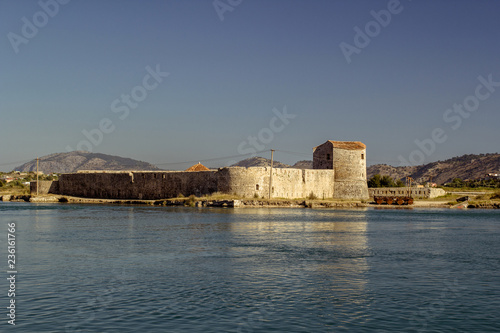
pixel 192 202
pixel 485 205
pixel 237 203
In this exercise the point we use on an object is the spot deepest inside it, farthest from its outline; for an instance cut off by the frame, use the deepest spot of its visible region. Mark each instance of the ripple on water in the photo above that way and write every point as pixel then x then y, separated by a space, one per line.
pixel 155 269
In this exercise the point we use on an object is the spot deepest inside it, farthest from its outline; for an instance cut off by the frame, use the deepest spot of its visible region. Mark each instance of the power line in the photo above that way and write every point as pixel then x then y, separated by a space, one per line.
pixel 309 155
pixel 300 154
pixel 12 163
pixel 294 153
pixel 212 159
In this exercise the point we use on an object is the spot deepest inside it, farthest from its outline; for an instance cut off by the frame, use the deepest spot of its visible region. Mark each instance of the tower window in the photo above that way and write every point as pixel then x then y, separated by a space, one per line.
pixel 362 156
pixel 328 157
pixel 257 187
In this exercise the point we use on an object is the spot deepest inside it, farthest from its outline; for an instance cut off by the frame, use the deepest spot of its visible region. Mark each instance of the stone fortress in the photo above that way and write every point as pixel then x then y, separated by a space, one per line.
pixel 339 171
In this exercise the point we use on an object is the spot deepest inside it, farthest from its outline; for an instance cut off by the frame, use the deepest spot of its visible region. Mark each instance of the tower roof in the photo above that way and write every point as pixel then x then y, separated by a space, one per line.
pixel 348 145
pixel 198 167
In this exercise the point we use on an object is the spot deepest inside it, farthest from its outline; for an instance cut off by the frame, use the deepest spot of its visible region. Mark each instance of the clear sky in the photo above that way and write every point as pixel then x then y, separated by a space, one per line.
pixel 387 73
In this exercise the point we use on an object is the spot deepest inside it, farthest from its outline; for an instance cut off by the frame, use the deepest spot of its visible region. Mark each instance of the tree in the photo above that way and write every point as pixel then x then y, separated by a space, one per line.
pixel 374 181
pixel 457 182
pixel 384 181
pixel 387 181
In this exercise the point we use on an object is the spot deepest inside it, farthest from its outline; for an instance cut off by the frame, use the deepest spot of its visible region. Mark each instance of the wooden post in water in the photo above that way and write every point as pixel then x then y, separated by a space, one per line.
pixel 271 175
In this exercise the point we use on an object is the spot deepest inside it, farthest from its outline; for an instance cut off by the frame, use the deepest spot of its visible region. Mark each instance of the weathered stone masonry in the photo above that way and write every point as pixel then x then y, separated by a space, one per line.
pixel 137 184
pixel 339 171
pixel 45 187
pixel 244 182
pixel 348 160
pixel 287 183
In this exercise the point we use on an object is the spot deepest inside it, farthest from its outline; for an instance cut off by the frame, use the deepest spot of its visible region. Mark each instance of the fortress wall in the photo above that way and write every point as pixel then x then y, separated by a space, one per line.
pixel 137 185
pixel 348 164
pixel 287 183
pixel 45 187
pixel 97 185
pixel 348 160
pixel 161 185
pixel 319 182
pixel 245 182
pixel 320 160
pixel 350 174
pixel 351 189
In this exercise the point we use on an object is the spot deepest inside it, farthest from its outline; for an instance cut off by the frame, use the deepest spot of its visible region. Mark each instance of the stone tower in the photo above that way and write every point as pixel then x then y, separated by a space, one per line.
pixel 348 160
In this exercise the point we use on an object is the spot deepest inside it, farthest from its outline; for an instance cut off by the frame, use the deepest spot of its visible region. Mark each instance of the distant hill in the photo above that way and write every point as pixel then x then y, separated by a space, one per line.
pixel 264 162
pixel 83 160
pixel 303 165
pixel 464 167
pixel 260 162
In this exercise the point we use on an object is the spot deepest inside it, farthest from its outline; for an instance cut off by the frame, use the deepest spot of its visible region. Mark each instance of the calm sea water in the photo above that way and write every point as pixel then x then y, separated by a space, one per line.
pixel 84 268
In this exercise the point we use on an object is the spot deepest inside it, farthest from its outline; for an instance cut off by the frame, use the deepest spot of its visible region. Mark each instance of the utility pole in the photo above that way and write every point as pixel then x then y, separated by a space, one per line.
pixel 409 182
pixel 37 175
pixel 271 175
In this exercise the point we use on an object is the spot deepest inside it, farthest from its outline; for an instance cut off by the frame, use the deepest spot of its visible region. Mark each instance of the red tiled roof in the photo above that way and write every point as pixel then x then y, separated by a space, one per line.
pixel 198 167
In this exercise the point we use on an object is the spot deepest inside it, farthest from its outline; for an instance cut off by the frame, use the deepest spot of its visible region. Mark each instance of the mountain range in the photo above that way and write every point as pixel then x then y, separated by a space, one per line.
pixel 83 160
pixel 264 162
pixel 464 167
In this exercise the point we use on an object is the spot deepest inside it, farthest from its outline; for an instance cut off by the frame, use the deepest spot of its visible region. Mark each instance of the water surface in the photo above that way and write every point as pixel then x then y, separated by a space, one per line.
pixel 96 268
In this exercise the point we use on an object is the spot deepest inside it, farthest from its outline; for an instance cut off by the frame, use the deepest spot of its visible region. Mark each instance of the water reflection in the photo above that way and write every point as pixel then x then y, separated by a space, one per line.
pixel 254 270
pixel 322 254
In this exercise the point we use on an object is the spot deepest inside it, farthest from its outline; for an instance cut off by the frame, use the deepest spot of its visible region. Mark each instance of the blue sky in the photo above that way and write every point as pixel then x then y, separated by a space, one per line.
pixel 225 78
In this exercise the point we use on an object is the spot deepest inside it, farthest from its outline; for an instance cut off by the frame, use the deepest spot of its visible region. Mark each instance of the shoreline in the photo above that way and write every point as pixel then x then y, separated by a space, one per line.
pixel 197 202
pixel 239 203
